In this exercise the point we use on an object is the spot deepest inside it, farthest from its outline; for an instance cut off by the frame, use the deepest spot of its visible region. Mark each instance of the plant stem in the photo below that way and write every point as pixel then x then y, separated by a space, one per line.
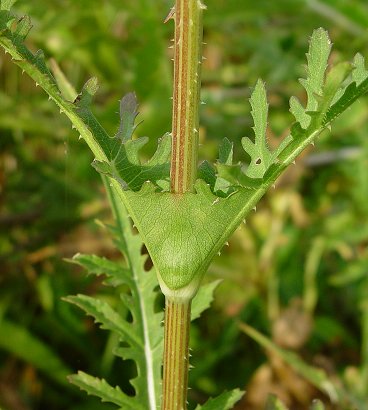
pixel 183 174
pixel 186 94
pixel 176 354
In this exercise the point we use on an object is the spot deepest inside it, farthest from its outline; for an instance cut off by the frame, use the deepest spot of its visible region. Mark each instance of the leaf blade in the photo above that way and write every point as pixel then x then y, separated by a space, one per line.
pixel 100 388
pixel 225 401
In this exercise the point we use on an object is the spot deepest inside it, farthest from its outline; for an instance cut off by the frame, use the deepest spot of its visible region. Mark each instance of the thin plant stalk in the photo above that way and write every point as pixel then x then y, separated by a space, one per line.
pixel 186 94
pixel 184 157
pixel 176 356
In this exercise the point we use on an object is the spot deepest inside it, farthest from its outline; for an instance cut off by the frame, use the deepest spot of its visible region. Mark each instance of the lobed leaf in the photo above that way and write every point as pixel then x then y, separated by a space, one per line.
pixel 142 339
pixel 121 154
pixel 117 275
pixel 261 157
pixel 317 58
pixel 231 175
pixel 108 394
pixel 106 316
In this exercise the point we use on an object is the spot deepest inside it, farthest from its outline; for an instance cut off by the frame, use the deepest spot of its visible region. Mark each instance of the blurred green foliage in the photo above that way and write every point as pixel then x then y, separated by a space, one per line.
pixel 297 271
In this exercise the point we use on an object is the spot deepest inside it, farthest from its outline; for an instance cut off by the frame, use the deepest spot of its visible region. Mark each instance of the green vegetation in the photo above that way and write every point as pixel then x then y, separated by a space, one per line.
pixel 296 272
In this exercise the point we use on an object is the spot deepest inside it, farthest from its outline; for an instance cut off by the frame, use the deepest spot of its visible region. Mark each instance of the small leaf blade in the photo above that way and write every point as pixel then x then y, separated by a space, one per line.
pixel 317 58
pixel 96 265
pixel 261 156
pixel 128 114
pixel 203 299
pixel 225 401
pixel 360 73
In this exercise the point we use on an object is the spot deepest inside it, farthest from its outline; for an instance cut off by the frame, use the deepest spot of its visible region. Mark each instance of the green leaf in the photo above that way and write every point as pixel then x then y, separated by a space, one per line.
pixel 258 151
pixel 23 27
pixel 226 152
pixel 299 113
pixel 120 159
pixel 203 299
pixel 261 157
pixel 142 338
pixel 225 401
pixel 20 342
pixel 106 316
pixel 66 88
pixel 117 275
pixel 7 4
pixel 165 229
pixel 207 172
pixel 334 85
pixel 108 394
pixel 89 90
pixel 274 403
pixel 360 73
pixel 125 166
pixel 317 58
pixel 128 114
pixel 208 217
pixel 351 94
pixel 317 377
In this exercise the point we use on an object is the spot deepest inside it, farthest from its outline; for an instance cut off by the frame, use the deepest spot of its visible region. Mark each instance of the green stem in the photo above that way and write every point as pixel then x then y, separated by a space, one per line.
pixel 186 94
pixel 176 355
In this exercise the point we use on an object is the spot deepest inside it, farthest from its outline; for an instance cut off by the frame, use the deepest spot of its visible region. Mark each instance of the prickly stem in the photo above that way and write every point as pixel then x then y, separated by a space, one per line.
pixel 186 98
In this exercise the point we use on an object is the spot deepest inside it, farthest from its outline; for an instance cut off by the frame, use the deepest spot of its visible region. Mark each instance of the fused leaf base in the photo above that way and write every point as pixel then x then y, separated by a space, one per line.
pixel 184 231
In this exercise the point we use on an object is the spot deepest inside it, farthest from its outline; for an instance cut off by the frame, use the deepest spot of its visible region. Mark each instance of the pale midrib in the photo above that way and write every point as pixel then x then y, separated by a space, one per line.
pixel 146 340
pixel 147 344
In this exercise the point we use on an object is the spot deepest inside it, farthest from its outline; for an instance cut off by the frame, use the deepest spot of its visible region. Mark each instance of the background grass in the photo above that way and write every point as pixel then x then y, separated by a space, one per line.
pixel 297 271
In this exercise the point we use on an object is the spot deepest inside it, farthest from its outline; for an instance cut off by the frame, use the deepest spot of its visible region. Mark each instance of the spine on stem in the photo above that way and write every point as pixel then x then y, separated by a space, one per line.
pixel 186 94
